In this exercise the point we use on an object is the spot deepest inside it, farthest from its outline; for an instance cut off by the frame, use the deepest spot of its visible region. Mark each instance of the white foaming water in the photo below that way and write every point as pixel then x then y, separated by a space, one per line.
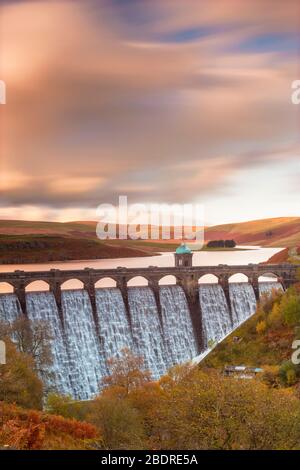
pixel 146 329
pixel 41 306
pixel 243 302
pixel 178 334
pixel 86 362
pixel 80 352
pixel 114 329
pixel 269 287
pixel 216 318
pixel 10 308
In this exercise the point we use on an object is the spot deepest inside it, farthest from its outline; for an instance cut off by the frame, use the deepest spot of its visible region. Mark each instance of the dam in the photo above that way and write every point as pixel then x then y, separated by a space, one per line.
pixel 165 324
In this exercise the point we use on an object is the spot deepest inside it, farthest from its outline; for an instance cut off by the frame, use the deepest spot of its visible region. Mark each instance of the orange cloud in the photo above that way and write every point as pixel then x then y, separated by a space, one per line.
pixel 110 106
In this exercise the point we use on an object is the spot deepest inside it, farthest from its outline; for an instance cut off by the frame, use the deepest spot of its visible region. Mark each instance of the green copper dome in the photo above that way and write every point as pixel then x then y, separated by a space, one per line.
pixel 183 250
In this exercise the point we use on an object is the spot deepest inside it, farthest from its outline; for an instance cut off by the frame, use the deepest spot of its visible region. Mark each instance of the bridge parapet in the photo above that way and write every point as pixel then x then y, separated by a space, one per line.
pixel 285 271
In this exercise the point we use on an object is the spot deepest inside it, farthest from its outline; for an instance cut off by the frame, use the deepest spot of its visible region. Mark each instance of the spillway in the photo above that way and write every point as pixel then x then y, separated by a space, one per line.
pixel 216 318
pixel 269 287
pixel 147 333
pixel 10 308
pixel 114 328
pixel 179 339
pixel 159 329
pixel 243 302
pixel 86 363
pixel 41 307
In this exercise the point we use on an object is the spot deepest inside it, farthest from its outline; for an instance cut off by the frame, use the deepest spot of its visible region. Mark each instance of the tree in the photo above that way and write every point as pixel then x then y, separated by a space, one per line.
pixel 208 411
pixel 126 373
pixel 289 373
pixel 121 411
pixel 275 318
pixel 261 327
pixel 230 244
pixel 290 307
pixel 19 382
pixel 33 339
pixel 66 406
pixel 59 405
pixel 120 424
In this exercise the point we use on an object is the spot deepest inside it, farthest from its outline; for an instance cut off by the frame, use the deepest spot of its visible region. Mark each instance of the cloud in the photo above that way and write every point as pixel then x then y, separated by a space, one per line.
pixel 100 102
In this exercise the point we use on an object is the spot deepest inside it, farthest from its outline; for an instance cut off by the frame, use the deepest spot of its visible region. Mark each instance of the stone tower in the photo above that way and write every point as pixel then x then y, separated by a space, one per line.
pixel 183 257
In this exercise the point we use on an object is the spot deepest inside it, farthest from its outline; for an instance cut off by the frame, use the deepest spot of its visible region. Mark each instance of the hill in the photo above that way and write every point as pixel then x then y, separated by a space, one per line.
pixel 42 248
pixel 283 231
pixel 33 242
pixel 265 340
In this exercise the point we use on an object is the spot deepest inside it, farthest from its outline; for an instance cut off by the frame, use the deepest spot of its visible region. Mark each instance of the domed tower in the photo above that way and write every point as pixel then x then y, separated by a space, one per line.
pixel 183 257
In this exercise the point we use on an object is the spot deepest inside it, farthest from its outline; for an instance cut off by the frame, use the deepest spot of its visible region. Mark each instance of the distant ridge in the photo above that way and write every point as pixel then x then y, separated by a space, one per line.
pixel 277 232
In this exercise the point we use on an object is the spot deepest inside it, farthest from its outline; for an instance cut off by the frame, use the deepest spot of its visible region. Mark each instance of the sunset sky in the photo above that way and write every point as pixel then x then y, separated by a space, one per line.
pixel 165 101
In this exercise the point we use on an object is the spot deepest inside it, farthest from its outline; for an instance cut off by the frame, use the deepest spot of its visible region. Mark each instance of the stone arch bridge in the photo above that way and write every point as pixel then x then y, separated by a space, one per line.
pixel 186 277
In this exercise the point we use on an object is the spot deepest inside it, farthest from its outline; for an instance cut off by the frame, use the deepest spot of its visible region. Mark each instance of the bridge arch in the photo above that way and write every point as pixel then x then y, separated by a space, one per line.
pixel 72 284
pixel 208 279
pixel 268 277
pixel 238 277
pixel 105 282
pixel 167 280
pixel 37 286
pixel 137 281
pixel 6 288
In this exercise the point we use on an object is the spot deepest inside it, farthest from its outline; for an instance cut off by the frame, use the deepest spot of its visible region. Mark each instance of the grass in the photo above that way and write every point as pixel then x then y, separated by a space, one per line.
pixel 44 248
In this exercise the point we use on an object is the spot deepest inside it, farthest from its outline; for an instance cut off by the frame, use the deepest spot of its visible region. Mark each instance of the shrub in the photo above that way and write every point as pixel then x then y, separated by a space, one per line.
pixel 261 327
pixel 30 429
pixel 275 317
pixel 290 307
pixel 288 373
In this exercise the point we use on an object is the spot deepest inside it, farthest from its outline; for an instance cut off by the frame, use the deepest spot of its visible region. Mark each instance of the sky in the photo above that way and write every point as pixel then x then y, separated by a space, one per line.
pixel 165 101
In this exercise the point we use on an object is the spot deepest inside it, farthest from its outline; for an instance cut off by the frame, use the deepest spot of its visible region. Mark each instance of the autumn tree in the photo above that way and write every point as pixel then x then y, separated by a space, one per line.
pixel 32 337
pixel 120 424
pixel 66 406
pixel 126 373
pixel 114 412
pixel 290 307
pixel 19 382
pixel 208 411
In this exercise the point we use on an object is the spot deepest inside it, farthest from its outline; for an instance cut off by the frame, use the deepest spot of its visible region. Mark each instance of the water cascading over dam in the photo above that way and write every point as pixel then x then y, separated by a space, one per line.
pixel 216 316
pixel 165 336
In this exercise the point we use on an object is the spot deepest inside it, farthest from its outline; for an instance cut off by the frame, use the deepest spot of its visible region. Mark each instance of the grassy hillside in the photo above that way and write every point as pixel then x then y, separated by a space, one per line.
pixel 246 347
pixel 15 249
pixel 265 340
pixel 26 241
pixel 284 231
